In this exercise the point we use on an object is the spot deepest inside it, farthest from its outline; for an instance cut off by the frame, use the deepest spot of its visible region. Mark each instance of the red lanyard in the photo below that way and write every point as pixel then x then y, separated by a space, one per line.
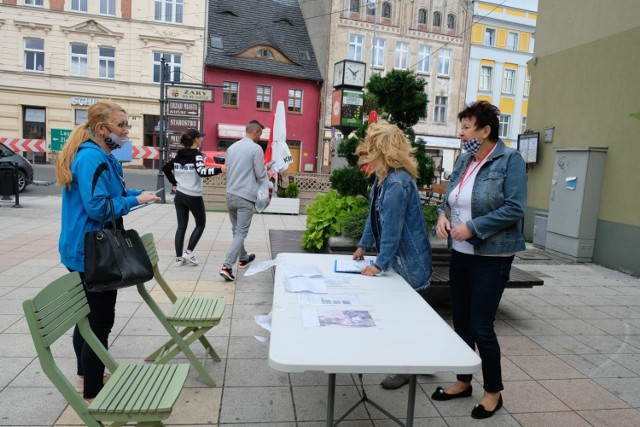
pixel 464 175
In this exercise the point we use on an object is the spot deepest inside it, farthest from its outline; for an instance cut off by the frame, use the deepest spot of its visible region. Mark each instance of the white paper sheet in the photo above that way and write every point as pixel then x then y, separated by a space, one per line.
pixel 301 271
pixel 264 321
pixel 258 267
pixel 330 299
pixel 350 265
pixel 341 318
pixel 316 285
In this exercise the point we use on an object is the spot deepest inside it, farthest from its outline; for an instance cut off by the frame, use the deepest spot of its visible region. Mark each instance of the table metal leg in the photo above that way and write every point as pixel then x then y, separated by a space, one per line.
pixel 331 399
pixel 411 403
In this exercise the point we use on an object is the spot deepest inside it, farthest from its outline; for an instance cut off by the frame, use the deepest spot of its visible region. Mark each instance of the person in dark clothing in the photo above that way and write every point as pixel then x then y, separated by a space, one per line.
pixel 185 172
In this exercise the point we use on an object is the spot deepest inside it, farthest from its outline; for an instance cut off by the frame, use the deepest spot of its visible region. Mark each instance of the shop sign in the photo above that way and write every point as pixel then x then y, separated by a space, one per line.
pixel 351 111
pixel 76 100
pixel 191 94
pixel 183 108
pixel 180 124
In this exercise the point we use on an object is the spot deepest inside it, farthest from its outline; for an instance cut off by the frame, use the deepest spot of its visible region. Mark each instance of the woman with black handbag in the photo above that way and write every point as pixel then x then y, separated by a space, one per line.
pixel 90 177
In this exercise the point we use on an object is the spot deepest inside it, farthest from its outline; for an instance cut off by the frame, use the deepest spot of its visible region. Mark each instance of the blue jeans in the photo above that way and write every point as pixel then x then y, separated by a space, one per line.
pixel 477 283
pixel 240 213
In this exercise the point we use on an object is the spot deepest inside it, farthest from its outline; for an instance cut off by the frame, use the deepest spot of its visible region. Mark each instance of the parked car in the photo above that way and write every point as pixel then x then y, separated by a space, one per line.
pixel 25 169
pixel 214 159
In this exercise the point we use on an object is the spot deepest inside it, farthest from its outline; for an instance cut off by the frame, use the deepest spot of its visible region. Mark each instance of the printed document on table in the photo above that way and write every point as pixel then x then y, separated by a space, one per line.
pixel 350 265
pixel 301 271
pixel 330 299
pixel 305 284
pixel 343 318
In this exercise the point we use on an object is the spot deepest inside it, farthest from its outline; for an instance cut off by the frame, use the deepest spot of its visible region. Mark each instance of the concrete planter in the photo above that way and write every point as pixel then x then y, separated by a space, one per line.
pixel 283 205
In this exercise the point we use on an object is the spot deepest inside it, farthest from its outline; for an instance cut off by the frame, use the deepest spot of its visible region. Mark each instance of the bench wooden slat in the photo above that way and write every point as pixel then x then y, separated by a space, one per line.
pixel 197 309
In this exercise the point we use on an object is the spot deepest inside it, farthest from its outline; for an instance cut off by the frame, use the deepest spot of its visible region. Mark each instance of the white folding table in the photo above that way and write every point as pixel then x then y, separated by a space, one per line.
pixel 409 336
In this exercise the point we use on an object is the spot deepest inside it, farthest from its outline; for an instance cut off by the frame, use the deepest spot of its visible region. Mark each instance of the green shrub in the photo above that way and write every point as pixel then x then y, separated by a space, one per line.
pixel 292 191
pixel 353 225
pixel 323 216
pixel 430 214
pixel 349 181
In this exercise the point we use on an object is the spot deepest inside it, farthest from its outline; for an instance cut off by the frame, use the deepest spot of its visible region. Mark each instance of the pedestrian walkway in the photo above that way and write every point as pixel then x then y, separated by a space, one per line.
pixel 571 348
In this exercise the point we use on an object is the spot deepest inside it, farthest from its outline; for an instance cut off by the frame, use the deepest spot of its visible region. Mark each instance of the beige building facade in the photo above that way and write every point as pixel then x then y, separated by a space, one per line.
pixel 60 57
pixel 428 36
pixel 585 93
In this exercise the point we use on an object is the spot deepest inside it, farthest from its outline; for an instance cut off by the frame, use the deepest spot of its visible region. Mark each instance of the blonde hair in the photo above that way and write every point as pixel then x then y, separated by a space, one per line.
pixel 385 148
pixel 100 112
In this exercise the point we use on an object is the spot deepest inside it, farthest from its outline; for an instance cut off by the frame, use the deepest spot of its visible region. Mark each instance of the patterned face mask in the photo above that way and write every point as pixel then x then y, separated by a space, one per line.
pixel 471 146
pixel 115 141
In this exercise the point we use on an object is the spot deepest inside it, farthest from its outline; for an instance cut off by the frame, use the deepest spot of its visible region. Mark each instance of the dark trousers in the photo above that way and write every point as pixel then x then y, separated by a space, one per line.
pixel 477 283
pixel 185 204
pixel 102 306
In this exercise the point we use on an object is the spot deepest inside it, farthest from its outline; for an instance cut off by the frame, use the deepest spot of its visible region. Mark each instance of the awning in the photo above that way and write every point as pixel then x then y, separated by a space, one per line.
pixel 238 131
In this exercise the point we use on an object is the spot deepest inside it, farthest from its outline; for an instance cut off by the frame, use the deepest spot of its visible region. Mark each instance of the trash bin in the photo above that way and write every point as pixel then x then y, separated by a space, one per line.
pixel 8 178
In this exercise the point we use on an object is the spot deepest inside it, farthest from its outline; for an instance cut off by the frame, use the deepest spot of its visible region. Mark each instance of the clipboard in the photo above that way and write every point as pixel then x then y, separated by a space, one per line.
pixel 350 266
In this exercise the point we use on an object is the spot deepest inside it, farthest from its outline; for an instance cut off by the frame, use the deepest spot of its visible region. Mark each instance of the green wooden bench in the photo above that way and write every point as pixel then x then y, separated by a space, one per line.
pixel 142 393
pixel 186 322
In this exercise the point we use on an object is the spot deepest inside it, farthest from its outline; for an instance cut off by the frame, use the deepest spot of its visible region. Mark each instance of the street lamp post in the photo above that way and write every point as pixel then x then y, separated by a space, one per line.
pixel 162 146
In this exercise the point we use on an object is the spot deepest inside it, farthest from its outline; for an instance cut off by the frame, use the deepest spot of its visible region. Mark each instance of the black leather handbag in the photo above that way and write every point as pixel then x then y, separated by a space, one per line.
pixel 114 258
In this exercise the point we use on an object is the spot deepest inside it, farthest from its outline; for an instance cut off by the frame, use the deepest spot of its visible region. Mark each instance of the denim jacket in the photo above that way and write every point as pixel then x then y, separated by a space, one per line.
pixel 498 200
pixel 397 228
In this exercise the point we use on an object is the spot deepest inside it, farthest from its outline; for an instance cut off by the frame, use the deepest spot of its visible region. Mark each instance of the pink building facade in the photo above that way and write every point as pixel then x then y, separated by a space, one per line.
pixel 254 96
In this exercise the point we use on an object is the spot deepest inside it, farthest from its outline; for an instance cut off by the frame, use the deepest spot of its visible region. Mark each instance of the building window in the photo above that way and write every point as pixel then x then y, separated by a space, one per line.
pixel 79 5
pixel 386 10
pixel 440 109
pixel 527 84
pixel 34 55
pixel 444 61
pixel 422 16
pixel 169 11
pixel 265 54
pixel 81 116
pixel 174 66
pixel 509 81
pixel 371 10
pixel 451 22
pixel 523 127
pixel 295 101
pixel 108 7
pixel 486 78
pixel 230 94
pixel 378 52
pixel 424 52
pixel 505 123
pixel 489 37
pixel 355 47
pixel 263 98
pixel 79 60
pixel 512 41
pixel 401 56
pixel 437 19
pixel 354 6
pixel 107 63
pixel 34 2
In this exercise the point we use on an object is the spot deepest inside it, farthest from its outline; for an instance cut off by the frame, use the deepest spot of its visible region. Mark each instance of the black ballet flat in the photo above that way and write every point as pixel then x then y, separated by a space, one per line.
pixel 480 413
pixel 440 394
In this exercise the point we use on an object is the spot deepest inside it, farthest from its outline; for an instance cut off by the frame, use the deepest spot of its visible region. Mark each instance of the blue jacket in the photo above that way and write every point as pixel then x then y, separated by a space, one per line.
pixel 396 226
pixel 498 200
pixel 97 176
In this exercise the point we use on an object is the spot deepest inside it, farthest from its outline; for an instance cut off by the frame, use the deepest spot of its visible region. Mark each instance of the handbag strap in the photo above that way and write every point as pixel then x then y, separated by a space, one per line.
pixel 108 204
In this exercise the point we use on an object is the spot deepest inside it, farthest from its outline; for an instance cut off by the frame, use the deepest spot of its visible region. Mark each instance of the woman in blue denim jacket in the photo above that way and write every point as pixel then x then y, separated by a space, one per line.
pixel 480 216
pixel 395 224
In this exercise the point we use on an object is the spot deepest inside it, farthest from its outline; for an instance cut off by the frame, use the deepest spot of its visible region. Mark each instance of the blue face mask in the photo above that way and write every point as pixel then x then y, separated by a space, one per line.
pixel 471 146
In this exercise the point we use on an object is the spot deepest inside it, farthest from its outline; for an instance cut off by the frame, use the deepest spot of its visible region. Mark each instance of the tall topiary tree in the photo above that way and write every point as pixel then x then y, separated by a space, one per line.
pixel 401 99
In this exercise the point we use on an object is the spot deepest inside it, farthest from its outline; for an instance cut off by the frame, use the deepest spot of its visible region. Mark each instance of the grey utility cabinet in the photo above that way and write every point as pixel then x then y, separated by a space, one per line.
pixel 575 199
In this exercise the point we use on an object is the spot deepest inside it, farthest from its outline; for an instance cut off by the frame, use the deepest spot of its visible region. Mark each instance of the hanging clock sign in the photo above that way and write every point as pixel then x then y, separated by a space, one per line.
pixel 349 73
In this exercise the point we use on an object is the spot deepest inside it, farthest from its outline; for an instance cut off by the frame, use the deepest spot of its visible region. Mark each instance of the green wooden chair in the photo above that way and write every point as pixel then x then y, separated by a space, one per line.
pixel 186 322
pixel 142 393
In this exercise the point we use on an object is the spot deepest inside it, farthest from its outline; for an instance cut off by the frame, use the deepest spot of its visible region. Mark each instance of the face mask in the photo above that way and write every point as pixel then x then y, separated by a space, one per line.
pixel 114 141
pixel 471 146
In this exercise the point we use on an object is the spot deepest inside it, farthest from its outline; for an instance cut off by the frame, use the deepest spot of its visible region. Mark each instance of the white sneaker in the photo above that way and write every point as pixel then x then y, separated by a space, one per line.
pixel 190 258
pixel 180 262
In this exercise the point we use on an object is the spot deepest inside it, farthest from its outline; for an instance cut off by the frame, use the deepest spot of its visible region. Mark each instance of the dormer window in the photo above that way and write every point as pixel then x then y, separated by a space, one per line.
pixel 304 55
pixel 216 42
pixel 265 54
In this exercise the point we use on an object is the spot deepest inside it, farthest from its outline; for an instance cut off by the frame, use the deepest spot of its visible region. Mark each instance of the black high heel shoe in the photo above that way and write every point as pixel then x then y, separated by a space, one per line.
pixel 480 413
pixel 441 395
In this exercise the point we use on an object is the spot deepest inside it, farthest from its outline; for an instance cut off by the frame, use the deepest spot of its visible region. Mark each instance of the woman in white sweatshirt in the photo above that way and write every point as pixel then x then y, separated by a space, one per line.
pixel 185 172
